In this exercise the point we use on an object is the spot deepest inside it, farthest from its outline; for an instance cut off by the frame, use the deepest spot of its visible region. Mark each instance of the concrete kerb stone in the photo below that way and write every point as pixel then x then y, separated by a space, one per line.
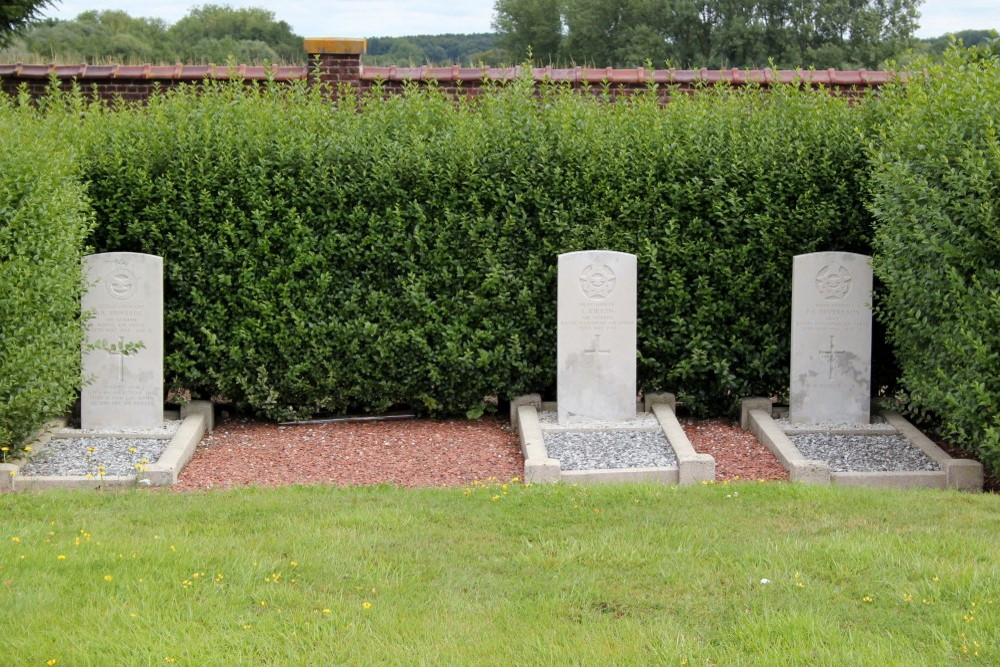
pixel 180 450
pixel 162 473
pixel 753 403
pixel 659 398
pixel 538 467
pixel 534 400
pixel 800 469
pixel 204 408
pixel 692 467
pixel 961 474
pixel 40 438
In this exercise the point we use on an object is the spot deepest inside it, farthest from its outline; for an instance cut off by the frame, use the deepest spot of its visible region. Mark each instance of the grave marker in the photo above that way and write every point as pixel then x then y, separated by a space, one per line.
pixel 123 349
pixel 831 338
pixel 596 335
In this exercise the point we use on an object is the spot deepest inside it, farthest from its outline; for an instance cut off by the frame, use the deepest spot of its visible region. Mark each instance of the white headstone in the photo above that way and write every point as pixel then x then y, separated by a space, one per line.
pixel 123 351
pixel 831 338
pixel 596 335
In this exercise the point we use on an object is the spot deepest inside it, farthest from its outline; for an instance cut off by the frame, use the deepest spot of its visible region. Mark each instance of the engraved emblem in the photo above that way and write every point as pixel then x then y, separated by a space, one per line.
pixel 597 281
pixel 833 282
pixel 121 282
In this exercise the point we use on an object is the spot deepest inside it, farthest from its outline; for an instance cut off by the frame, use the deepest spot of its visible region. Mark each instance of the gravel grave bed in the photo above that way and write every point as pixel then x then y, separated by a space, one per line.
pixel 98 457
pixel 864 453
pixel 602 450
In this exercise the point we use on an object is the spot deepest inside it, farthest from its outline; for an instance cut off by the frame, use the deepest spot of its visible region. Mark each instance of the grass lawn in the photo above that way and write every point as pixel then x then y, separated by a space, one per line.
pixel 501 575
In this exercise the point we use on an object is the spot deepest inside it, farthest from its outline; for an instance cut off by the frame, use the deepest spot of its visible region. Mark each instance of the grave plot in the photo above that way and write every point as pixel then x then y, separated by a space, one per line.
pixel 828 434
pixel 125 437
pixel 593 432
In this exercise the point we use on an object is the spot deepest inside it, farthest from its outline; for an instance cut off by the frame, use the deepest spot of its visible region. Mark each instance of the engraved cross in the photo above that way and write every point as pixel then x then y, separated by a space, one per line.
pixel 831 352
pixel 120 353
pixel 597 352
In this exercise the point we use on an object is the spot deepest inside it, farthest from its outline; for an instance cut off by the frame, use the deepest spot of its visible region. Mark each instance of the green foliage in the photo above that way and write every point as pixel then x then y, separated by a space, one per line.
pixel 321 259
pixel 210 33
pixel 472 49
pixel 936 194
pixel 16 14
pixel 43 221
pixel 708 33
pixel 213 33
pixel 621 574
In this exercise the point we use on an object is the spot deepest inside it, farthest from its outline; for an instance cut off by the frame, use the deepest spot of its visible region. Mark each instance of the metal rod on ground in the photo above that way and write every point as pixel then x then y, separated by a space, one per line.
pixel 338 420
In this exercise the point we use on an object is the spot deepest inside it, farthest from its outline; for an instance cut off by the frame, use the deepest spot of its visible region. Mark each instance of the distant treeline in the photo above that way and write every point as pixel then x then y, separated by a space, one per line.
pixel 217 34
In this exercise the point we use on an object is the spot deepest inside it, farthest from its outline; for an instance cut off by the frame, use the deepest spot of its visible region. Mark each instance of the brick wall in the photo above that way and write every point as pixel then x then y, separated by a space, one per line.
pixel 337 62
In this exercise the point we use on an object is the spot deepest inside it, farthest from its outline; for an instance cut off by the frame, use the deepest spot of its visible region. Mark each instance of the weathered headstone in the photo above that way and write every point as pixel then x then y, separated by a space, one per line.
pixel 596 335
pixel 123 351
pixel 831 338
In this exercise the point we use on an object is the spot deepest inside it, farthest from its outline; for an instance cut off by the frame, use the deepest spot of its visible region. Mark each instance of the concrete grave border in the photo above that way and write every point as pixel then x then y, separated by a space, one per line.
pixel 962 474
pixel 195 422
pixel 691 467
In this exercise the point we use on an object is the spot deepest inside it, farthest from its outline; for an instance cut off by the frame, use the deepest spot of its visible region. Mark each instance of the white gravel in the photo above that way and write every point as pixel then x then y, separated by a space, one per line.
pixel 168 429
pixel 607 449
pixel 548 419
pixel 97 457
pixel 864 453
pixel 878 425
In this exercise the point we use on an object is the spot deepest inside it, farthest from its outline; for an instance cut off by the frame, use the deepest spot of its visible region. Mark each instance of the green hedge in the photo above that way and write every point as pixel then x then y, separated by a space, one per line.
pixel 43 221
pixel 936 194
pixel 319 258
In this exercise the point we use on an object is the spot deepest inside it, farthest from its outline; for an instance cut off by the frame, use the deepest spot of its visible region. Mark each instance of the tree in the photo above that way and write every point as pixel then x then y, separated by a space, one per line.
pixel 712 33
pixel 95 36
pixel 529 26
pixel 207 32
pixel 16 14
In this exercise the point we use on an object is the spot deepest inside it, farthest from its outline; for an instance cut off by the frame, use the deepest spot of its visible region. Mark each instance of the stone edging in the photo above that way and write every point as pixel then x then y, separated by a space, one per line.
pixel 961 474
pixel 691 467
pixel 162 473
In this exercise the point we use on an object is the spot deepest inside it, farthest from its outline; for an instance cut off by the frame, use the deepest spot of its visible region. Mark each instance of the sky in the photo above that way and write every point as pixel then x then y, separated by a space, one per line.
pixel 394 18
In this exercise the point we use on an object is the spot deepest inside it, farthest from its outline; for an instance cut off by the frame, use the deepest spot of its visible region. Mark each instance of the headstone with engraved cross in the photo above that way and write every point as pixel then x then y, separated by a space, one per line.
pixel 831 338
pixel 123 352
pixel 596 335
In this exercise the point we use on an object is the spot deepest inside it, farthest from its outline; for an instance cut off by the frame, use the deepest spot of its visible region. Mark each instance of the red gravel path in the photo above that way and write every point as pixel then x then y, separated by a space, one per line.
pixel 405 453
pixel 738 454
pixel 413 453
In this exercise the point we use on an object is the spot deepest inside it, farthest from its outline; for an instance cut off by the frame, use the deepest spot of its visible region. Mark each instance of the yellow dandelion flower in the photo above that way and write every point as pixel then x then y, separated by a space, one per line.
pixel 51 662
pixel 326 611
pixel 366 605
pixel 294 564
pixel 108 577
pixel 133 450
pixel 495 498
pixel 867 598
pixel 907 597
pixel 15 540
pixel 27 448
pixel 12 473
pixel 4 449
pixel 61 557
